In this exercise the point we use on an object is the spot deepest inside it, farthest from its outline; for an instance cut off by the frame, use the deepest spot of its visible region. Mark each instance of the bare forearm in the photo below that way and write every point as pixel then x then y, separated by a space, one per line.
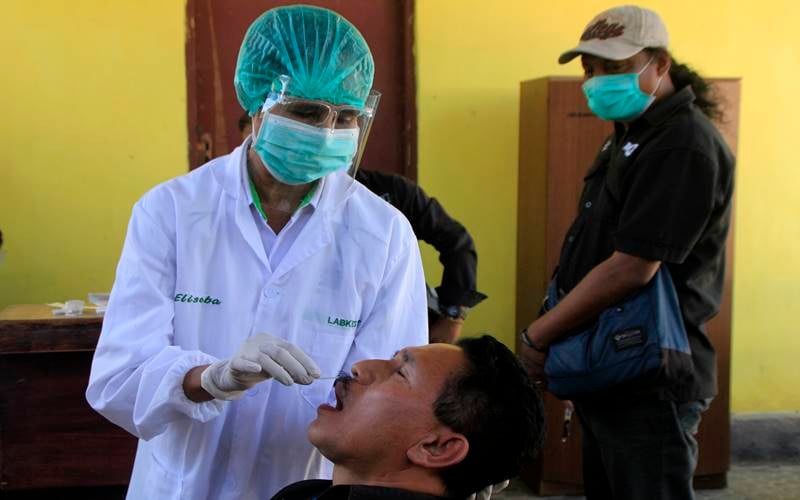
pixel 192 388
pixel 446 330
pixel 605 285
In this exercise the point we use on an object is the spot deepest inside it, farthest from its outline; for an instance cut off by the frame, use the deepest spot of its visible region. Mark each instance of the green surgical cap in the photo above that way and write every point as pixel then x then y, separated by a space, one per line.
pixel 324 55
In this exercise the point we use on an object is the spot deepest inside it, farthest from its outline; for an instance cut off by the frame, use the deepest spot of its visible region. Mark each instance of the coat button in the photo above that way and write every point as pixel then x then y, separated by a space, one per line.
pixel 588 204
pixel 272 293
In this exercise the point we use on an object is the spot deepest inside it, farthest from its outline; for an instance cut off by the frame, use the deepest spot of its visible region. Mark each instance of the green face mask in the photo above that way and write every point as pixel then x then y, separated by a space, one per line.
pixel 298 153
pixel 618 97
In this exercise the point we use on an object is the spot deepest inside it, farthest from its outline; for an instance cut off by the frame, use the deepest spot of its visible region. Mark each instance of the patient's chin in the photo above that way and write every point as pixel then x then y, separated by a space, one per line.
pixel 324 439
pixel 315 432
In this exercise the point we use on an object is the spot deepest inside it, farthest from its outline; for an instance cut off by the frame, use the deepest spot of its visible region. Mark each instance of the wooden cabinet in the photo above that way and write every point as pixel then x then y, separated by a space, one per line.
pixel 559 138
pixel 49 436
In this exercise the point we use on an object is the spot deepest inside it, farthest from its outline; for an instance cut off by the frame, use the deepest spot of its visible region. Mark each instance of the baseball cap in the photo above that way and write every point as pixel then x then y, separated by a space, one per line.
pixel 620 33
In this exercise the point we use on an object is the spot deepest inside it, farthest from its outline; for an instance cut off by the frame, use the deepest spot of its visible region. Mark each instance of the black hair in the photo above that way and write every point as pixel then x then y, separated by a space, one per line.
pixel 682 75
pixel 495 405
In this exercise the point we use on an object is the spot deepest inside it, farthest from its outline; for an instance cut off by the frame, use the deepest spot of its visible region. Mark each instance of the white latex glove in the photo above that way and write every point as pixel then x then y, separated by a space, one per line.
pixel 260 357
pixel 486 493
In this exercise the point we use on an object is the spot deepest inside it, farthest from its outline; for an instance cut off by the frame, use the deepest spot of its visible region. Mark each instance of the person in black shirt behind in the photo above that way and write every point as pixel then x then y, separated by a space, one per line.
pixel 658 194
pixel 448 303
pixel 434 421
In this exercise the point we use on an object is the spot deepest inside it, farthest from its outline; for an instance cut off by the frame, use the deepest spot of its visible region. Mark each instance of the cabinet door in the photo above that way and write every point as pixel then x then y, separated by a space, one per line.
pixel 714 436
pixel 575 136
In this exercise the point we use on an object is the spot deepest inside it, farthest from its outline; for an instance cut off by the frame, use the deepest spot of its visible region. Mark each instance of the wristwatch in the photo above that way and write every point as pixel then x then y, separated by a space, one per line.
pixel 454 312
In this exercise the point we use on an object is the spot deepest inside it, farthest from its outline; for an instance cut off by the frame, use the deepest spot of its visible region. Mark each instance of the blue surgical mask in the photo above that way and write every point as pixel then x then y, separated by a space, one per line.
pixel 298 153
pixel 618 97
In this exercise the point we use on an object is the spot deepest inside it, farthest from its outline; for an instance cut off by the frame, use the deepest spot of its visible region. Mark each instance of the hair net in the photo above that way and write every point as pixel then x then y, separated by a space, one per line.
pixel 324 55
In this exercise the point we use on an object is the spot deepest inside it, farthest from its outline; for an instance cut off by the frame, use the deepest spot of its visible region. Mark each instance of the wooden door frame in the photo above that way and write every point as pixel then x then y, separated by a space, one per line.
pixel 409 163
pixel 410 97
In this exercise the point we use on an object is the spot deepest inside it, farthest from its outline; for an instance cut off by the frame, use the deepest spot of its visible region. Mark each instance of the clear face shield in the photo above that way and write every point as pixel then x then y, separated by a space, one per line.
pixel 334 125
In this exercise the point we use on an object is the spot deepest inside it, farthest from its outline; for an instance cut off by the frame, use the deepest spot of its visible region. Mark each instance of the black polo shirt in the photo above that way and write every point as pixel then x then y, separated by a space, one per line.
pixel 322 489
pixel 432 224
pixel 662 190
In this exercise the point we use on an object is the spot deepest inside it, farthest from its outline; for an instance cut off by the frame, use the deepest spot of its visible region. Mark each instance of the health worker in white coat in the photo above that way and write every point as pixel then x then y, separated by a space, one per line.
pixel 261 270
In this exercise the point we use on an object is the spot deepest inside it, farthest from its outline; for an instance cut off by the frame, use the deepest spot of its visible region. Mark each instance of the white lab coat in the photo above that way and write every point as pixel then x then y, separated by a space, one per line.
pixel 351 287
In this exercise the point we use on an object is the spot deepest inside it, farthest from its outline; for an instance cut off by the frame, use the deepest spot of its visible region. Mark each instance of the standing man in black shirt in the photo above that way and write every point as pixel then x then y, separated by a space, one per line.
pixel 449 302
pixel 658 194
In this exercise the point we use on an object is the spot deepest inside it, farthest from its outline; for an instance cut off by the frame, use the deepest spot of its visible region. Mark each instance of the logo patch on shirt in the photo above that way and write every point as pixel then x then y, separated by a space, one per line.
pixel 631 337
pixel 629 148
pixel 189 298
pixel 344 323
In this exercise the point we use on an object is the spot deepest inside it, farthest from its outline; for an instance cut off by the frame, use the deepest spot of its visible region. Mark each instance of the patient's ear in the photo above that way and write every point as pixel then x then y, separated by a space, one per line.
pixel 439 448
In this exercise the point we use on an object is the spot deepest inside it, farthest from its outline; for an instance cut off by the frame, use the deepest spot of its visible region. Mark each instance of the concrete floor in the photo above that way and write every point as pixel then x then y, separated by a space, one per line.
pixel 745 482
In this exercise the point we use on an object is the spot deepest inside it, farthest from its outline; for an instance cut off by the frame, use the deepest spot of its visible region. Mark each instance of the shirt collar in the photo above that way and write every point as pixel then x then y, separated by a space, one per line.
pixel 661 110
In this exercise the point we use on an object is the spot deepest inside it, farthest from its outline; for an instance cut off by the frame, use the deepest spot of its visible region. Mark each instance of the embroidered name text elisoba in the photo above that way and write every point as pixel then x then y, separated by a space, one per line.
pixel 189 298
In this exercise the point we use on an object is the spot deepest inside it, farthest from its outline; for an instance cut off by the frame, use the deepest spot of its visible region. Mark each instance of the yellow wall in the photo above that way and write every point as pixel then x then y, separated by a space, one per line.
pixel 472 54
pixel 93 100
pixel 95 113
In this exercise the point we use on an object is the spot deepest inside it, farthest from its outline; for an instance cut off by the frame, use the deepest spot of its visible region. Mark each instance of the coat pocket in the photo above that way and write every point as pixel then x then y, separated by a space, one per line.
pixel 329 350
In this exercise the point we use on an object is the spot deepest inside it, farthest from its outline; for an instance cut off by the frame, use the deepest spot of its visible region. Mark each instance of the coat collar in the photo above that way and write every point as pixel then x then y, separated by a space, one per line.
pixel 331 196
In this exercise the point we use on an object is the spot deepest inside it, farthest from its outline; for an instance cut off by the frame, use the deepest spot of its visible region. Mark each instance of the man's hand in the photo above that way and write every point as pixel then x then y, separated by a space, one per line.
pixel 533 354
pixel 445 330
pixel 260 357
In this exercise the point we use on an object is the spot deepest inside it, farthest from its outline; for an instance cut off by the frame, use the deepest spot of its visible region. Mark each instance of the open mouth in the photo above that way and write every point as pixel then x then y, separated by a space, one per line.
pixel 340 389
